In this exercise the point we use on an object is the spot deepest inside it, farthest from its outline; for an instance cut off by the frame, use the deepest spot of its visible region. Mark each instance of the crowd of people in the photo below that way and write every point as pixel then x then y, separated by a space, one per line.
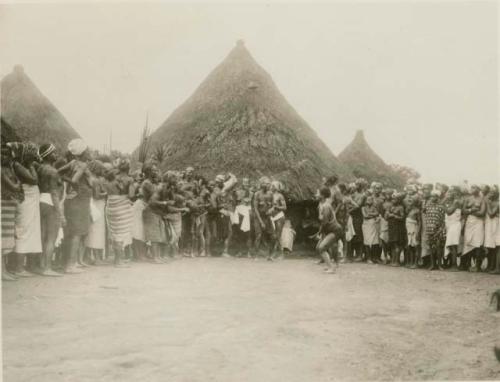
pixel 63 212
pixel 428 226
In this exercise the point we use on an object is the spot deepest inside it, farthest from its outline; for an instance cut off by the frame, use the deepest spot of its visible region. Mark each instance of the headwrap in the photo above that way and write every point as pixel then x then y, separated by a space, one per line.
pixel 411 187
pixel 46 150
pixel 435 193
pixel 277 184
pixel 219 178
pixel 190 169
pixel 77 146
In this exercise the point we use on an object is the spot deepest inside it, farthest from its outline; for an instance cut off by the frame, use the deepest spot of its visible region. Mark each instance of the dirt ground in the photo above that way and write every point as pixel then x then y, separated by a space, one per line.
pixel 244 320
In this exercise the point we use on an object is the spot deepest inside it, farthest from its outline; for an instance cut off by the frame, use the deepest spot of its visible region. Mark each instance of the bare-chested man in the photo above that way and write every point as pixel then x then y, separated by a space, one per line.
pixel 277 216
pixel 262 202
pixel 51 213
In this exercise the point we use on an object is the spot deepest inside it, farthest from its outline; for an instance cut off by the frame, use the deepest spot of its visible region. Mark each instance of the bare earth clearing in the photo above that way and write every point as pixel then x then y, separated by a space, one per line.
pixel 243 320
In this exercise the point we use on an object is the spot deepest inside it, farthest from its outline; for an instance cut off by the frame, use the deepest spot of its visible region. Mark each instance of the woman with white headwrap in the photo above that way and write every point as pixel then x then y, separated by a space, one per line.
pixel 475 210
pixel 77 202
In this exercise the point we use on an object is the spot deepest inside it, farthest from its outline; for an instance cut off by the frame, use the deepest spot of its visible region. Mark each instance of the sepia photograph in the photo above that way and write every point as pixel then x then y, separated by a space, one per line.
pixel 250 191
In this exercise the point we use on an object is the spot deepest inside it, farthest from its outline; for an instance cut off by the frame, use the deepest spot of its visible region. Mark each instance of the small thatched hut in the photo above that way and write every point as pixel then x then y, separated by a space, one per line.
pixel 365 163
pixel 237 120
pixel 28 115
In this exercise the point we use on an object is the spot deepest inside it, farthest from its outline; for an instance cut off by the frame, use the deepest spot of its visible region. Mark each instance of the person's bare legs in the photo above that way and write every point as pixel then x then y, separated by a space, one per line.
pixel 155 249
pixel 323 246
pixel 453 254
pixel 73 247
pixel 119 254
pixel 496 271
pixel 6 275
pixel 227 241
pixel 139 248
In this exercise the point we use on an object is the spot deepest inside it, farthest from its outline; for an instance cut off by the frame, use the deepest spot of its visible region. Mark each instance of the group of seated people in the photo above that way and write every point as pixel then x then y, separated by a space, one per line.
pixel 422 226
pixel 63 213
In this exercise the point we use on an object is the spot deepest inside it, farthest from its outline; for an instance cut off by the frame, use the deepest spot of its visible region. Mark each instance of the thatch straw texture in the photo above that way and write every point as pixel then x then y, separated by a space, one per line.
pixel 238 121
pixel 365 163
pixel 30 114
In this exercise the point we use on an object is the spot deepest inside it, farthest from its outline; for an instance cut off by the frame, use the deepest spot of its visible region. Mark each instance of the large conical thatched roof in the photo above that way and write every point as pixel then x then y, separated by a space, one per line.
pixel 29 115
pixel 237 120
pixel 365 163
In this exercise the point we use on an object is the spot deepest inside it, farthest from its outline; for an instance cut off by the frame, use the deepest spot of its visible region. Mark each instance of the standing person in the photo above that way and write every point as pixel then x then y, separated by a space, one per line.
pixel 493 211
pixel 155 229
pixel 243 228
pixel 384 225
pixel 370 232
pixel 475 211
pixel 412 231
pixel 28 231
pixel 359 198
pixel 119 213
pixel 453 224
pixel 424 245
pixel 174 214
pixel 187 183
pixel 225 204
pixel 262 202
pixel 435 230
pixel 491 226
pixel 77 202
pixel 378 203
pixel 153 225
pixel 139 247
pixel 212 216
pixel 342 214
pixel 329 230
pixel 12 193
pixel 395 217
pixel 51 214
pixel 277 215
pixel 95 242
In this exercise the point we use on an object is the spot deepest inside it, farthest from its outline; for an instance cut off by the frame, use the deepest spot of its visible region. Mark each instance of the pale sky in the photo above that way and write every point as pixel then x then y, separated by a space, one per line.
pixel 420 78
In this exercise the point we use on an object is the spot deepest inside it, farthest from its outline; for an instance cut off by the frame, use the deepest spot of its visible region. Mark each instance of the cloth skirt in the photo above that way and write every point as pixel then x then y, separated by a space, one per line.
pixel 371 232
pixel 474 233
pixel 120 215
pixel 96 238
pixel 154 227
pixel 424 243
pixel 412 232
pixel 384 230
pixel 453 225
pixel 77 214
pixel 349 231
pixel 28 232
pixel 397 231
pixel 9 212
pixel 491 227
pixel 138 232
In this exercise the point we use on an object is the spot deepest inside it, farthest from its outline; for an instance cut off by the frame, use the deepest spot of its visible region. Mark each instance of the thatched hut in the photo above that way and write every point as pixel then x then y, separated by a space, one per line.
pixel 365 163
pixel 28 115
pixel 237 120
